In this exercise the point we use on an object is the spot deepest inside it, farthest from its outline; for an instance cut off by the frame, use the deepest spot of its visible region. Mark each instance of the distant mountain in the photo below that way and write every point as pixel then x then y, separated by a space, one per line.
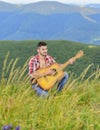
pixel 94 5
pixel 49 21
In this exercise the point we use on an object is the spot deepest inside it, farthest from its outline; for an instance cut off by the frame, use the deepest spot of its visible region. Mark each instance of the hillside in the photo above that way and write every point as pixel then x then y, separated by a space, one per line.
pixel 50 21
pixel 76 107
pixel 60 50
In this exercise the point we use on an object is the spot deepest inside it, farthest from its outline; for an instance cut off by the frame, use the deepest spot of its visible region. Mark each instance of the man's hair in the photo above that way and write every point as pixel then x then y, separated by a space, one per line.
pixel 42 44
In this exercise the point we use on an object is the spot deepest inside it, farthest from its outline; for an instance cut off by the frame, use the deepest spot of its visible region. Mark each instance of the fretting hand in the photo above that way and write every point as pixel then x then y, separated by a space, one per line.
pixel 71 61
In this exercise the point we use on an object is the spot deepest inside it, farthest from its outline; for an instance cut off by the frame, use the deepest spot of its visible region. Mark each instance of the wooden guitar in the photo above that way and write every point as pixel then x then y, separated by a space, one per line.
pixel 48 82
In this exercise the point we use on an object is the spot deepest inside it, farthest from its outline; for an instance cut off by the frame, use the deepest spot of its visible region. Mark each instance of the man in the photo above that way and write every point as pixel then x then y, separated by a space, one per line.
pixel 42 60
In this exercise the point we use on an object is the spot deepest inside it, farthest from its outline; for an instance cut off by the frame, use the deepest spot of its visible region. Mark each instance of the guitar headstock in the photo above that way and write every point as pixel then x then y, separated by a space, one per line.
pixel 79 54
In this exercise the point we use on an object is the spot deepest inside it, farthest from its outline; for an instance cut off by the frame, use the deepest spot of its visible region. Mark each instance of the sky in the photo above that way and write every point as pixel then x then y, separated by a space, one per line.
pixel 62 1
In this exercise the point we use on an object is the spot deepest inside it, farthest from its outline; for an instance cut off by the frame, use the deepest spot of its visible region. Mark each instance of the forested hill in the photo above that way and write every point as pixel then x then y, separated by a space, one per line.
pixel 60 50
pixel 50 21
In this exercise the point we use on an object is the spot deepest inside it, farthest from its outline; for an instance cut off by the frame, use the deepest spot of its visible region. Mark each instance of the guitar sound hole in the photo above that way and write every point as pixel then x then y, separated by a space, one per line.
pixel 55 71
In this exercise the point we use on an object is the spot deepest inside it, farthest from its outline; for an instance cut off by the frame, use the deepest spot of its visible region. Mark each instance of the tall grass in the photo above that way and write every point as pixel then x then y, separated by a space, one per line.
pixel 13 74
pixel 77 107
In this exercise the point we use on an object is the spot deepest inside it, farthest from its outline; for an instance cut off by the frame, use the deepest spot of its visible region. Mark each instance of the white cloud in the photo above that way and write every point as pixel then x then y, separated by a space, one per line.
pixel 63 1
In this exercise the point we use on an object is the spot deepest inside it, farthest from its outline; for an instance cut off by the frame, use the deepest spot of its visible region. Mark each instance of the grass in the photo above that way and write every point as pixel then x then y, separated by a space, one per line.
pixel 77 107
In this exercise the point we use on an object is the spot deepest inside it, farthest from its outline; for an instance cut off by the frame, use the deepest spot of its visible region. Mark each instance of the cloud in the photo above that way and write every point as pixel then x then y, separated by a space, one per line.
pixel 63 1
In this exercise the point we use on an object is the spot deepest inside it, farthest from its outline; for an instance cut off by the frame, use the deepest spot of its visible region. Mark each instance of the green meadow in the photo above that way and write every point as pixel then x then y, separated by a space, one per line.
pixel 76 107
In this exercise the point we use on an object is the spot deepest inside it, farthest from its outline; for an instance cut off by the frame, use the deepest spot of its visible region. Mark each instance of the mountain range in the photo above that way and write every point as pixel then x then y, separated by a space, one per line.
pixel 50 21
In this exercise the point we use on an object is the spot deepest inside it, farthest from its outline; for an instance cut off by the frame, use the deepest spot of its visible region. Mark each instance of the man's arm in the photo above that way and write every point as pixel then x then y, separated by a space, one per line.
pixel 37 74
pixel 71 60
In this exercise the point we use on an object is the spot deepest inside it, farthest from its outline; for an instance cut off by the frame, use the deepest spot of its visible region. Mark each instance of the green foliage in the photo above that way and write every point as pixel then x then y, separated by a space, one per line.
pixel 77 107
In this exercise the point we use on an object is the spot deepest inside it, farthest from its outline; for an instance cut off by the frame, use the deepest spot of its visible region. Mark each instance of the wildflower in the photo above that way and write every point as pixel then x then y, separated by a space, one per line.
pixel 7 127
pixel 17 128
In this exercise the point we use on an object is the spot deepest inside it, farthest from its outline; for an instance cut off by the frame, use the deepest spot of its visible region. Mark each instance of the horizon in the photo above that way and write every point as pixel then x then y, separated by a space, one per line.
pixel 79 2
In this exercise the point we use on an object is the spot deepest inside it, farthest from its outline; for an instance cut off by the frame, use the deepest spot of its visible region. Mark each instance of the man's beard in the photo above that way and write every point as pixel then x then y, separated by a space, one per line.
pixel 44 54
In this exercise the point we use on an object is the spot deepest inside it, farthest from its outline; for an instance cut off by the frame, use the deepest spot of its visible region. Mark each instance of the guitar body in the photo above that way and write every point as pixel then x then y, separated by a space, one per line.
pixel 48 82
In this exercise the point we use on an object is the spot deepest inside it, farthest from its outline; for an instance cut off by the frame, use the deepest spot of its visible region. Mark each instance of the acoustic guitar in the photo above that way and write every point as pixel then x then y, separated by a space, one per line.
pixel 47 82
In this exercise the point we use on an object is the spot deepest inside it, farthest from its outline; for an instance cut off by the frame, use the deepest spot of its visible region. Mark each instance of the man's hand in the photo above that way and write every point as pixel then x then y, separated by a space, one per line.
pixel 71 61
pixel 50 72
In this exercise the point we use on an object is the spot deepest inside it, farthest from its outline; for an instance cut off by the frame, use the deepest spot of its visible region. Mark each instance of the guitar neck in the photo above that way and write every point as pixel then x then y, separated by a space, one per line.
pixel 63 66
